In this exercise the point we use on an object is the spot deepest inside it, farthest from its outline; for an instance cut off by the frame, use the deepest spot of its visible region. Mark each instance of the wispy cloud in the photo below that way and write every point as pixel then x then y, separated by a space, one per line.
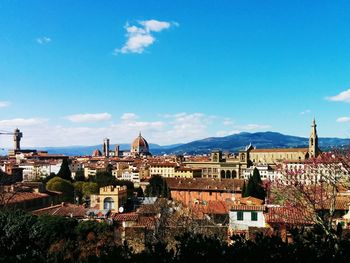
pixel 129 116
pixel 343 119
pixel 87 117
pixel 241 128
pixel 43 40
pixel 305 112
pixel 18 122
pixel 343 96
pixel 163 129
pixel 4 104
pixel 226 133
pixel 140 37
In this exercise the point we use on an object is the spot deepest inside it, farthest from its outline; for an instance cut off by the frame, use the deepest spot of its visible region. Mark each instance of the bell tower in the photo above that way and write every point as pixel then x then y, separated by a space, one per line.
pixel 313 141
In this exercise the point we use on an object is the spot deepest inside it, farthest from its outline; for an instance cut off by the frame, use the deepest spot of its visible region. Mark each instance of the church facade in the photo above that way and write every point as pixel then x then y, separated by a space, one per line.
pixel 233 166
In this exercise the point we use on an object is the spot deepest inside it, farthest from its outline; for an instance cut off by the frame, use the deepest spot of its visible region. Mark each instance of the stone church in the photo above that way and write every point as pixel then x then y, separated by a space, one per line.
pixel 232 166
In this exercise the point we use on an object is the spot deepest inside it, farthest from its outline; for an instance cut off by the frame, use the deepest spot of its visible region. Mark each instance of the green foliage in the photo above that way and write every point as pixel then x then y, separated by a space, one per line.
pixel 60 185
pixel 140 192
pixel 79 176
pixel 18 237
pixel 55 228
pixel 85 189
pixel 254 187
pixel 27 238
pixel 103 179
pixel 86 227
pixel 129 185
pixel 157 187
pixel 65 172
pixel 89 188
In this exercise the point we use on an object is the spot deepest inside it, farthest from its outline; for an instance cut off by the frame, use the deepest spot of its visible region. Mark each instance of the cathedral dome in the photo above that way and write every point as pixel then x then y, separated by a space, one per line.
pixel 140 145
pixel 96 153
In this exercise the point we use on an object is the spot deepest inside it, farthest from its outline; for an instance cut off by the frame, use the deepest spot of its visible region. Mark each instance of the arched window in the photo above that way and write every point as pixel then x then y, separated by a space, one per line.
pixel 222 173
pixel 108 203
pixel 234 174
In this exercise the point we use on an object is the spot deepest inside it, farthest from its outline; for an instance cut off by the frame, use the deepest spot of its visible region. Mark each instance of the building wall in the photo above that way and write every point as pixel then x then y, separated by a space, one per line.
pixel 164 171
pixel 246 222
pixel 118 194
pixel 271 157
pixel 189 197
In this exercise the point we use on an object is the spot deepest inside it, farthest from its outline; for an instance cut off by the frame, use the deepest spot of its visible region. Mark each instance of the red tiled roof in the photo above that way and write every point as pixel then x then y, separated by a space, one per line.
pixel 205 184
pixel 247 207
pixel 146 221
pixel 18 197
pixel 64 209
pixel 211 207
pixel 126 217
pixel 251 201
pixel 288 215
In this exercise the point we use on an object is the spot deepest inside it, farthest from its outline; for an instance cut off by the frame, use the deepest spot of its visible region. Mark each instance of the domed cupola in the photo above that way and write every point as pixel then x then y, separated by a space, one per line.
pixel 140 146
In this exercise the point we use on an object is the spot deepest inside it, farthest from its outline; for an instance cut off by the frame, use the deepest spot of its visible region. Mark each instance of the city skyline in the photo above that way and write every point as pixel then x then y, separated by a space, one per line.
pixel 74 73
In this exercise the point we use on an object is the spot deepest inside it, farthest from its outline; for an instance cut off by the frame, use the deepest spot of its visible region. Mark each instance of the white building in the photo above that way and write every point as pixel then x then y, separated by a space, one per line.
pixel 35 170
pixel 132 176
pixel 266 172
pixel 244 216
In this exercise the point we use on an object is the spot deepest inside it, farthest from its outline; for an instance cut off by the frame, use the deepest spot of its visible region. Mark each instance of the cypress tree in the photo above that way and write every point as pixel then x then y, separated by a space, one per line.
pixel 244 189
pixel 254 187
pixel 65 172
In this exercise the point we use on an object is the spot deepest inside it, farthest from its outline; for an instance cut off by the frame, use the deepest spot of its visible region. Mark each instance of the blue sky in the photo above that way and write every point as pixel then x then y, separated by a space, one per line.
pixel 73 72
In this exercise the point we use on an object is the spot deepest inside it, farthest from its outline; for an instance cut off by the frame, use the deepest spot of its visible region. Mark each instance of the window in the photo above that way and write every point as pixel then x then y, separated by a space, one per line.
pixel 240 215
pixel 254 216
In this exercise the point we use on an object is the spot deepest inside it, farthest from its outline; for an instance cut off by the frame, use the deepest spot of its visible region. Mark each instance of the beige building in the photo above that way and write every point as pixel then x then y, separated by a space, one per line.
pixel 280 155
pixel 109 198
pixel 233 166
pixel 219 167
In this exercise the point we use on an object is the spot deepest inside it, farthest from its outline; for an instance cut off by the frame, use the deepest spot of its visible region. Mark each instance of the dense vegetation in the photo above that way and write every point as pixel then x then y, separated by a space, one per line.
pixel 254 187
pixel 27 238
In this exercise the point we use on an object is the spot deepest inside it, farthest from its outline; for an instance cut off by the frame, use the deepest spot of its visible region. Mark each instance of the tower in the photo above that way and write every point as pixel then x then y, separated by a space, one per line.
pixel 17 135
pixel 116 150
pixel 106 147
pixel 313 141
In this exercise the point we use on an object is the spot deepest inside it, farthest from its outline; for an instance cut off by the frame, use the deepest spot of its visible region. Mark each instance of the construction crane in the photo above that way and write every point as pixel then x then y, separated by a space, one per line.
pixel 17 135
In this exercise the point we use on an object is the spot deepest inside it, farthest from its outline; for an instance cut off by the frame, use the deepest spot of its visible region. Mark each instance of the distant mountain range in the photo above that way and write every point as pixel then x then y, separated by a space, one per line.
pixel 232 143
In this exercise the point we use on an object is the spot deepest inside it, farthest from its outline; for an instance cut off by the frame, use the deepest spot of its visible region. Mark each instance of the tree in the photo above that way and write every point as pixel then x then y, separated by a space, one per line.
pixel 18 237
pixel 89 188
pixel 312 188
pixel 157 187
pixel 60 185
pixel 103 179
pixel 255 187
pixel 65 172
pixel 79 176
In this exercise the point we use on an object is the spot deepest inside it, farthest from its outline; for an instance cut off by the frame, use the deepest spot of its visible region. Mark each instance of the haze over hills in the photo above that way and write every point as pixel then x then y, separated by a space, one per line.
pixel 232 143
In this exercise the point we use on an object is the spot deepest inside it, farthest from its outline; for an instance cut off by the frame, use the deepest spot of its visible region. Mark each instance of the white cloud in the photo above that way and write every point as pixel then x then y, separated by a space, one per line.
pixel 4 104
pixel 343 96
pixel 89 117
pixel 343 119
pixel 162 129
pixel 18 122
pixel 154 25
pixel 226 133
pixel 129 116
pixel 227 122
pixel 242 128
pixel 43 40
pixel 140 37
pixel 252 127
